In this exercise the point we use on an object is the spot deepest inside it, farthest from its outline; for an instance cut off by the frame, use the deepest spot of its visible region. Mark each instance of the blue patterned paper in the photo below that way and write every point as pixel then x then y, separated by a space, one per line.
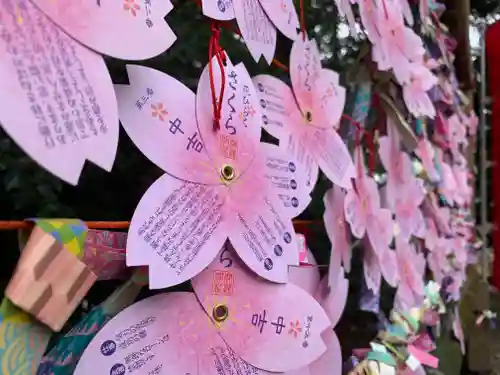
pixel 63 357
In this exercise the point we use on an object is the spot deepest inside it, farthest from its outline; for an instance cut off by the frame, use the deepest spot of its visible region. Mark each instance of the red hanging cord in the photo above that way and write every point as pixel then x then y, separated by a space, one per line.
pixel 369 139
pixel 302 20
pixel 214 49
pixel 371 149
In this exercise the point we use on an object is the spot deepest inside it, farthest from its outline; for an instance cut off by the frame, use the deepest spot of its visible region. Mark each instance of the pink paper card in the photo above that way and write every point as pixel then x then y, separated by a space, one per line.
pixel 333 157
pixel 115 28
pixel 58 104
pixel 424 342
pixel 423 357
pixel 283 15
pixel 305 68
pixel 256 28
pixel 221 10
pixel 299 148
pixel 165 334
pixel 278 106
pixel 329 99
pixel 371 269
pixel 264 323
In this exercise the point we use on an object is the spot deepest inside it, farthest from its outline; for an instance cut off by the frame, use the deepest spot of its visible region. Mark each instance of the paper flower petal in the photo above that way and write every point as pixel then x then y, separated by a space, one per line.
pixel 278 106
pixel 233 141
pixel 389 267
pixel 380 230
pixel 115 28
pixel 298 146
pixel 266 326
pixel 63 110
pixel 305 67
pixel 333 157
pixel 329 100
pixel 157 112
pixel 287 178
pixel 336 225
pixel 283 15
pixel 371 269
pixel 256 28
pixel 354 214
pixel 264 237
pixel 177 229
pixel 334 301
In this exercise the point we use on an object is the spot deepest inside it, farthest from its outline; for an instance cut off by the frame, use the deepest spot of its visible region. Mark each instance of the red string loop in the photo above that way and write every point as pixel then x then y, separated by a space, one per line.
pixel 302 20
pixel 215 50
pixel 369 139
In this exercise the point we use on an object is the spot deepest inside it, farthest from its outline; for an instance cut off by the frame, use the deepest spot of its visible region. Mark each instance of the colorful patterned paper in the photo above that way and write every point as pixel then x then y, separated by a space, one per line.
pixel 64 356
pixel 104 253
pixel 22 341
pixel 362 103
pixel 69 232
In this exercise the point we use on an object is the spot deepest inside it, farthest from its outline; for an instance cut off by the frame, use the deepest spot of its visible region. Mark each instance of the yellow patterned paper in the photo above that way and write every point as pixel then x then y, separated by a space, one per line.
pixel 22 341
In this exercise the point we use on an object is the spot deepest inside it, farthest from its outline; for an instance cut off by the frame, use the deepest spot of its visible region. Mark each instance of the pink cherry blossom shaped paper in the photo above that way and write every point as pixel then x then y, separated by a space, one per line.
pixel 215 186
pixel 174 335
pixel 304 120
pixel 114 28
pixel 425 152
pixel 396 163
pixel 399 43
pixel 407 210
pixel 437 259
pixel 262 321
pixel 337 231
pixel 410 292
pixel 363 211
pixel 415 94
pixel 62 110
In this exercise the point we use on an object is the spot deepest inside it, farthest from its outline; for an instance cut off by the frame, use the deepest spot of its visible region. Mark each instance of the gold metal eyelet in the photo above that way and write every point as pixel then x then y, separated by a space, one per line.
pixel 227 173
pixel 220 313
